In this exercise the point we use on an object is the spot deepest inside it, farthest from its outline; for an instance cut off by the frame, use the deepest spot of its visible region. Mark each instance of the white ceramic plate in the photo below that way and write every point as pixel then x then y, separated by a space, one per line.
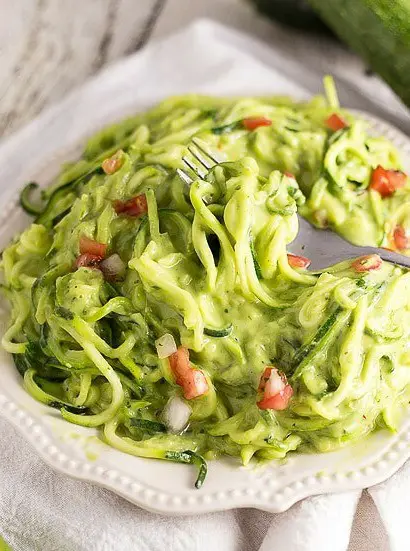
pixel 166 487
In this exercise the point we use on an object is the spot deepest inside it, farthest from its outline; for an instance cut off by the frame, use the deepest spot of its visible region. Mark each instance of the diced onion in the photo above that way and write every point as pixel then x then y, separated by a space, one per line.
pixel 176 414
pixel 275 384
pixel 112 266
pixel 165 346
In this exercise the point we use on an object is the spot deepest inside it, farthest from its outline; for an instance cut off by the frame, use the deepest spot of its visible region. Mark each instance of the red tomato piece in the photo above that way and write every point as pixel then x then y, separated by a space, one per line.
pixel 387 181
pixel 367 263
pixel 401 241
pixel 179 363
pixel 265 378
pixel 133 207
pixel 276 390
pixel 194 384
pixel 289 174
pixel 113 163
pixel 89 246
pixel 87 260
pixel 276 383
pixel 119 206
pixel 192 380
pixel 277 402
pixel 298 261
pixel 334 122
pixel 252 123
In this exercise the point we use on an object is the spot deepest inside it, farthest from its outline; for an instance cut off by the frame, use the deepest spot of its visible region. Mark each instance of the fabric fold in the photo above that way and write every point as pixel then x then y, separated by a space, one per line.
pixel 391 499
pixel 319 523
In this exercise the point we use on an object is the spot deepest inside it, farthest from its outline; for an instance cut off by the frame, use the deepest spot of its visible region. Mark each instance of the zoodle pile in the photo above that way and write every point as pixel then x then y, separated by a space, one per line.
pixel 172 316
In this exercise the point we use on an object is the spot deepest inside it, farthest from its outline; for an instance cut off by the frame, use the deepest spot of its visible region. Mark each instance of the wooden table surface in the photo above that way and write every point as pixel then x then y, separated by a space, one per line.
pixel 49 46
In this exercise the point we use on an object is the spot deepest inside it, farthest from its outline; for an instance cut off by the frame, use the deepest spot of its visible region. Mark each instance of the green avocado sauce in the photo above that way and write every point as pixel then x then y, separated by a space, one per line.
pixel 207 263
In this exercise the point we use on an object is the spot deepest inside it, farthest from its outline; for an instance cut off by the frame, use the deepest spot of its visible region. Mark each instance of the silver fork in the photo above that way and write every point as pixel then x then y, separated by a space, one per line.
pixel 323 247
pixel 206 159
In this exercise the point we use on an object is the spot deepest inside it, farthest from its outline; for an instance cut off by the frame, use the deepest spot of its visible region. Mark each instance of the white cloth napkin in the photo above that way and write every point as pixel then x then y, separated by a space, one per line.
pixel 46 511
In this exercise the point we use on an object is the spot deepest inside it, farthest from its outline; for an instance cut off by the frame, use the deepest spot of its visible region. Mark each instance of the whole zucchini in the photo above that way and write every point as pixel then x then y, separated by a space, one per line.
pixel 379 31
pixel 294 13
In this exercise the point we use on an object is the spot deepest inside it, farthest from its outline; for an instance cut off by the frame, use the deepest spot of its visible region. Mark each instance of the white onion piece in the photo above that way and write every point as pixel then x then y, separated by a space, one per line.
pixel 112 266
pixel 165 346
pixel 275 384
pixel 176 414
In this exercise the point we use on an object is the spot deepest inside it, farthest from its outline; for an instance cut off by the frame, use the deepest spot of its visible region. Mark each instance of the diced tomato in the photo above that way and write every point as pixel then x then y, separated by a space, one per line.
pixel 133 207
pixel 87 260
pixel 194 384
pixel 367 263
pixel 397 178
pixel 387 181
pixel 192 380
pixel 289 174
pixel 276 390
pixel 252 123
pixel 273 380
pixel 298 261
pixel 279 401
pixel 334 122
pixel 179 363
pixel 113 163
pixel 265 378
pixel 401 240
pixel 89 246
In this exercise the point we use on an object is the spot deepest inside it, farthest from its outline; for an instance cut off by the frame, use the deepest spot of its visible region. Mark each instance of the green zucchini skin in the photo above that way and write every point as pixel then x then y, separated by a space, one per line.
pixel 192 458
pixel 379 31
pixel 224 332
pixel 25 200
pixel 315 346
pixel 47 216
pixel 147 425
pixel 294 13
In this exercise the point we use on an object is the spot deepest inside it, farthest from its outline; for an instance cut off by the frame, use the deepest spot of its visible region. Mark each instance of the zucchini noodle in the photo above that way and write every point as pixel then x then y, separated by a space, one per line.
pixel 123 252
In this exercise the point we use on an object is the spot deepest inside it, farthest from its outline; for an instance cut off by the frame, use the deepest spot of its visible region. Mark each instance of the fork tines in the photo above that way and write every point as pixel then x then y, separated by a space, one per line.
pixel 203 159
